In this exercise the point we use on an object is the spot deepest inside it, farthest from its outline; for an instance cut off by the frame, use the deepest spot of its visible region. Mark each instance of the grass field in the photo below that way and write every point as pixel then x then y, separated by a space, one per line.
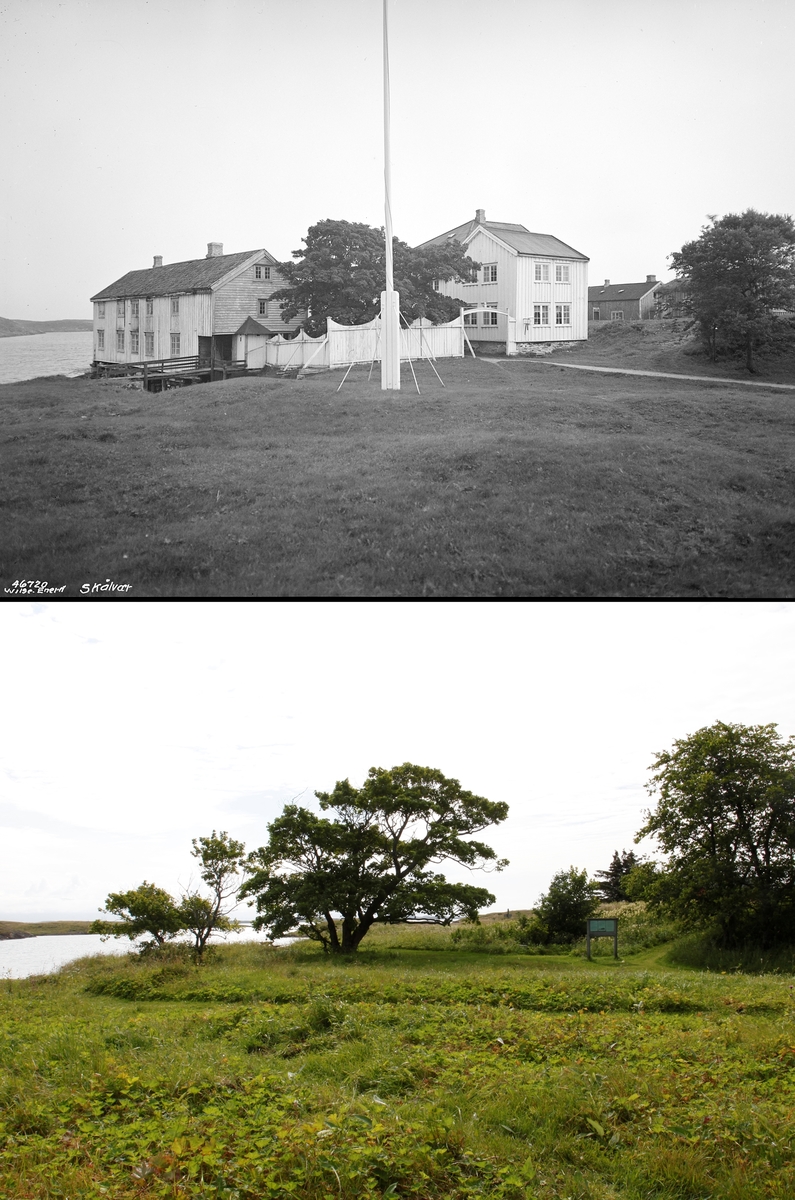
pixel 516 479
pixel 275 1073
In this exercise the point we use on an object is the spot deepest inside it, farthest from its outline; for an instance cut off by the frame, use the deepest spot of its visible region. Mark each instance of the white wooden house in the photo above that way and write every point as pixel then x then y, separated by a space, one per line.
pixel 188 308
pixel 532 286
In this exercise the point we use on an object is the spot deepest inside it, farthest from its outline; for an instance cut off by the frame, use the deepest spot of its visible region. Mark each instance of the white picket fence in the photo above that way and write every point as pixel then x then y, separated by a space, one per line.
pixel 346 344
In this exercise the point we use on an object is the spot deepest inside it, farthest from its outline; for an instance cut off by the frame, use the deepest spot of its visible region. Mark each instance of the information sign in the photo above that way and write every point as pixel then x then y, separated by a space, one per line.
pixel 601 927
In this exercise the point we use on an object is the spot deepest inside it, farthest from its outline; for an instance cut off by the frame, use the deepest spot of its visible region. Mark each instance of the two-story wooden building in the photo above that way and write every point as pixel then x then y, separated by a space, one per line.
pixel 189 308
pixel 533 278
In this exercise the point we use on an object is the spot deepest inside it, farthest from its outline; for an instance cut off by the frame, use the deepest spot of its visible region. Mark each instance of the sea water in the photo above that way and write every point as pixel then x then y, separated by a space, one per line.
pixel 20 957
pixel 40 354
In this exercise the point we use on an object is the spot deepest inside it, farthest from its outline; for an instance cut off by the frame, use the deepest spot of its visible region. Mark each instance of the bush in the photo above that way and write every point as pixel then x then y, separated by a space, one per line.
pixel 704 951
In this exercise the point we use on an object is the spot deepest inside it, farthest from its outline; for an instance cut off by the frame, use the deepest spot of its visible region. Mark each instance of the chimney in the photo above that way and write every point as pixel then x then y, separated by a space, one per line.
pixel 158 260
pixel 215 249
pixel 651 278
pixel 607 283
pixel 480 216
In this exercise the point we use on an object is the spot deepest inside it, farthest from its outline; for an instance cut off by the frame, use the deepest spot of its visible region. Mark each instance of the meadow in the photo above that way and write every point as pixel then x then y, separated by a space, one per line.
pixel 515 479
pixel 423 1070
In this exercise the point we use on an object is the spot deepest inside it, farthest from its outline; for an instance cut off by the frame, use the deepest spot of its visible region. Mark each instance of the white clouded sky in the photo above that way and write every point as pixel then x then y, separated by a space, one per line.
pixel 141 127
pixel 129 729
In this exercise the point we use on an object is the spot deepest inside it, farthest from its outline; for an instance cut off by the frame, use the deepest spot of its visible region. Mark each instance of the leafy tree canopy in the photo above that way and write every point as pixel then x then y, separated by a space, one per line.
pixel 563 909
pixel 220 858
pixel 340 273
pixel 612 888
pixel 740 269
pixel 334 877
pixel 725 817
pixel 147 909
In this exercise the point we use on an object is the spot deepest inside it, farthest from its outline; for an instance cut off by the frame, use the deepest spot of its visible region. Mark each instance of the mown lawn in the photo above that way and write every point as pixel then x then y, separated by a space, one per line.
pixel 516 479
pixel 418 1074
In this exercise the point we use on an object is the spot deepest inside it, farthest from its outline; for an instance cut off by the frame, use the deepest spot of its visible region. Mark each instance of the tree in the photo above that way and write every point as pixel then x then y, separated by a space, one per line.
pixel 334 878
pixel 221 859
pixel 563 910
pixel 340 273
pixel 612 889
pixel 725 817
pixel 145 909
pixel 740 270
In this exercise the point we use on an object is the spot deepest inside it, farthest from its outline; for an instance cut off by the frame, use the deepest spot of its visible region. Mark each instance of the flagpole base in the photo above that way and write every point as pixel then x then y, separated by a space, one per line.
pixel 390 341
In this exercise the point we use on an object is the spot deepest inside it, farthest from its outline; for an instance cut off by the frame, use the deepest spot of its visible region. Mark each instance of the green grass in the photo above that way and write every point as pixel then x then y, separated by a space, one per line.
pixel 42 928
pixel 276 1073
pixel 515 480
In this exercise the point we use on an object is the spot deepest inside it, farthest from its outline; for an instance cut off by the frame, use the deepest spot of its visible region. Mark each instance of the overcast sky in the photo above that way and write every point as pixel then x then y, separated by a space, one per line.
pixel 141 127
pixel 130 729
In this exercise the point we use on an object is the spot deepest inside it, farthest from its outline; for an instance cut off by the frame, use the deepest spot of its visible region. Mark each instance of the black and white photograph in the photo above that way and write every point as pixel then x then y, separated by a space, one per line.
pixel 397 299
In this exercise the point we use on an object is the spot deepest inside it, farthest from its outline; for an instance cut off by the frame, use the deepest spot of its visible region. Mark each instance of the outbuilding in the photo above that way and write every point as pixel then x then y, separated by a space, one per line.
pixel 623 301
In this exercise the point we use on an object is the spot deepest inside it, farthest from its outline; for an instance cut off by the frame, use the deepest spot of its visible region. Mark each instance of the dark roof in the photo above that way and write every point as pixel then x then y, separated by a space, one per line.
pixel 198 275
pixel 517 237
pixel 676 285
pixel 250 326
pixel 621 291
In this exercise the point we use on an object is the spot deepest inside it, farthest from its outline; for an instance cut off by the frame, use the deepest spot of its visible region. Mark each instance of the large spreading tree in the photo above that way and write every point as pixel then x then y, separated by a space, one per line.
pixel 725 818
pixel 333 877
pixel 740 270
pixel 340 273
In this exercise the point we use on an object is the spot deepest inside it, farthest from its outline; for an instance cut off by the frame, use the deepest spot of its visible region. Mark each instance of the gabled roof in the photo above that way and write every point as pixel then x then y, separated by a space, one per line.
pixel 252 327
pixel 621 291
pixel 197 275
pixel 517 237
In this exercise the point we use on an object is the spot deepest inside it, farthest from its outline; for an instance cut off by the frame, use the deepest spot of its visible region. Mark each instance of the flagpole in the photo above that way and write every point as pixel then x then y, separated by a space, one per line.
pixel 390 299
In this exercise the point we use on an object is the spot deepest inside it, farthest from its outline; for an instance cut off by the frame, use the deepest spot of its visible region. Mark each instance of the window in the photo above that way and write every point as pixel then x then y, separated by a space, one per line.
pixel 542 272
pixel 119 308
pixel 596 314
pixel 540 314
pixel 263 308
pixel 470 318
pixel 100 339
pixel 134 308
pixel 175 345
pixel 490 318
pixel 563 314
pixel 561 273
pixel 150 306
pixel 436 285
pixel 261 272
pixel 134 341
pixel 174 306
pixel 101 312
pixel 120 340
pixel 618 315
pixel 149 345
pixel 490 273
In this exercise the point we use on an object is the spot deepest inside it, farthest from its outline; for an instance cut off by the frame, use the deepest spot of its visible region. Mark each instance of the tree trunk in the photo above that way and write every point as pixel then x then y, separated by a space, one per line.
pixel 749 354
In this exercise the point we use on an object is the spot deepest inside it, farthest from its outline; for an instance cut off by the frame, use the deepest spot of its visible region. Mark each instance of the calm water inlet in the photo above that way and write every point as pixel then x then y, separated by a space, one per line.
pixel 45 354
pixel 43 955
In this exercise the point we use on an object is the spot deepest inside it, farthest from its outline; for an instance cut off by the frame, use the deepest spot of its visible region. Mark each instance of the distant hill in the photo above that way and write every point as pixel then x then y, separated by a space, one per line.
pixel 9 328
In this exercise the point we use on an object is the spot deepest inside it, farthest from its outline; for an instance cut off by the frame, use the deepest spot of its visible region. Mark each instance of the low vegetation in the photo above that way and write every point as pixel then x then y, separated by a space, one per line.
pixel 14 929
pixel 287 1073
pixel 515 479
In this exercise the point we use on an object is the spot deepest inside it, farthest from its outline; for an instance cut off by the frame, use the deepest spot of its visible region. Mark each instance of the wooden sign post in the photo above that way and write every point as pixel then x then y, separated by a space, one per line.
pixel 601 927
